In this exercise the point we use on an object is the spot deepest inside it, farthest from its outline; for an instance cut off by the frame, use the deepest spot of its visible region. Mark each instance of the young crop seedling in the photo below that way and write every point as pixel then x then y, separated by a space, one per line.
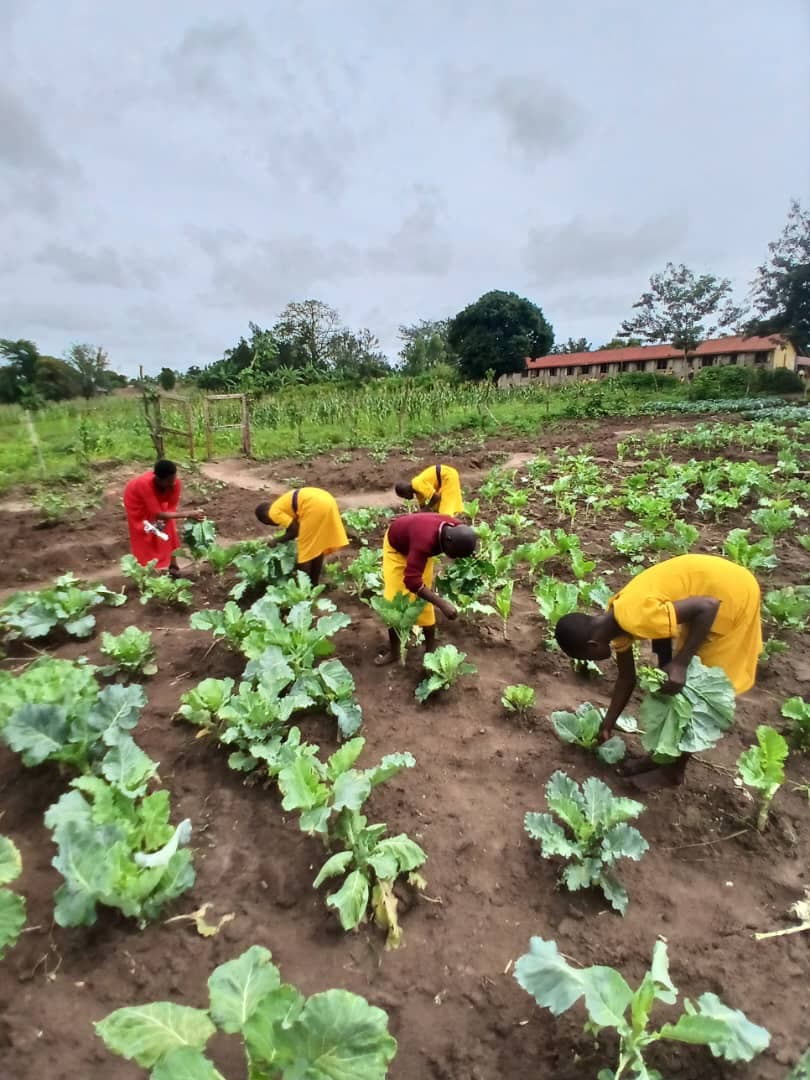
pixel 503 605
pixel 199 537
pixel 152 584
pixel 789 607
pixel 48 681
pixel 285 1035
pixel 798 710
pixel 519 698
pixel 365 519
pixel 555 599
pixel 776 517
pixel 757 557
pixel 66 604
pixel 117 850
pixel 12 905
pixel 130 653
pixel 688 722
pixel 74 731
pixel 772 647
pixel 329 798
pixel 556 985
pixel 762 767
pixel 400 615
pixel 300 636
pixel 202 705
pixel 582 729
pixel 365 572
pixel 258 569
pixel 598 834
pixel 445 666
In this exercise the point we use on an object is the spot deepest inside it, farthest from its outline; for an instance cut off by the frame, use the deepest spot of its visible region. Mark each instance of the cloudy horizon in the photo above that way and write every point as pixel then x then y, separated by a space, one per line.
pixel 166 176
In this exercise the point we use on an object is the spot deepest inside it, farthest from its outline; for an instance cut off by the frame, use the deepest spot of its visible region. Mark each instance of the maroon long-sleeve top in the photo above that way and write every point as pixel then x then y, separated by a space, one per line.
pixel 416 537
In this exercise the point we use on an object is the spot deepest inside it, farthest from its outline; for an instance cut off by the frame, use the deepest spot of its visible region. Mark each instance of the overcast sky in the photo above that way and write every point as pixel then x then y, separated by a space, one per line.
pixel 169 171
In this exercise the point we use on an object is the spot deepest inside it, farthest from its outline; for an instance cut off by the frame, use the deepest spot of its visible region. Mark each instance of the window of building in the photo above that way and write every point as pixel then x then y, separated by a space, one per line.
pixel 661 365
pixel 584 369
pixel 760 358
pixel 552 372
pixel 569 371
pixel 624 365
pixel 603 369
pixel 732 358
pixel 706 361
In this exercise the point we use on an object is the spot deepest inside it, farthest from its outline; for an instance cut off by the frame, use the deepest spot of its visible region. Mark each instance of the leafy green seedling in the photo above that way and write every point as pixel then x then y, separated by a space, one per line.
pixel 539 551
pixel 152 584
pixel 445 666
pixel 372 864
pixel 518 698
pixel 762 767
pixel 776 517
pixel 691 721
pixel 555 599
pixel 557 985
pixel 12 905
pixel 258 569
pixel 117 851
pixel 131 652
pixel 772 647
pixel 285 1035
pixel 593 836
pixel 365 571
pixel 48 681
pixel 365 519
pixel 199 537
pixel 77 732
pixel 582 729
pixel 503 605
pixel 757 557
pixel 788 607
pixel 203 705
pixel 399 614
pixel 798 710
pixel 66 604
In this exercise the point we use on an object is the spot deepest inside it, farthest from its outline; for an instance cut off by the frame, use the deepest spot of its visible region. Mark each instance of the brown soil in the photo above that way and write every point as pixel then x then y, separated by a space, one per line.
pixel 454 1006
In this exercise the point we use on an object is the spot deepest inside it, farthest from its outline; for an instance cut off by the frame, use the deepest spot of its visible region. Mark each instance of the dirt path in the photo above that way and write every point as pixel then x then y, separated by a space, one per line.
pixel 237 472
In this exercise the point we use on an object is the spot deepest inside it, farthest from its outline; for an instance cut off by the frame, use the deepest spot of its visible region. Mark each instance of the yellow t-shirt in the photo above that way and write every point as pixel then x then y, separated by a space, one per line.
pixel 645 608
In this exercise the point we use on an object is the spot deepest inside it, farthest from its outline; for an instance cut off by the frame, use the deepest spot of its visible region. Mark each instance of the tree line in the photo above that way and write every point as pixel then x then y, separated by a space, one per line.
pixel 488 338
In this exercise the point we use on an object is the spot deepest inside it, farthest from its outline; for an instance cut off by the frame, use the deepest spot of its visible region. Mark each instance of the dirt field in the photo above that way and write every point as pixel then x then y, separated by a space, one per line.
pixel 453 1003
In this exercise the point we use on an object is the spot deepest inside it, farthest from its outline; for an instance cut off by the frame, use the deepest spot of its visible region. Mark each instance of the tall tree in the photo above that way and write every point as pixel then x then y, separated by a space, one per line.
pixel 91 363
pixel 307 328
pixel 358 356
pixel 682 309
pixel 621 343
pixel 573 345
pixel 167 379
pixel 424 345
pixel 781 288
pixel 20 377
pixel 498 332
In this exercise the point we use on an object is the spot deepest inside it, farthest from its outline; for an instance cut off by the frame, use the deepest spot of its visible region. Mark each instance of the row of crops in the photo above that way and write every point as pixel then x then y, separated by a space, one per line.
pixel 118 843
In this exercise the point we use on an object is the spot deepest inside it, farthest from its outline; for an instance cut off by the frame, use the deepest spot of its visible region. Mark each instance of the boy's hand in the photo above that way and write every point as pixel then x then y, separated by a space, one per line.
pixel 676 678
pixel 448 610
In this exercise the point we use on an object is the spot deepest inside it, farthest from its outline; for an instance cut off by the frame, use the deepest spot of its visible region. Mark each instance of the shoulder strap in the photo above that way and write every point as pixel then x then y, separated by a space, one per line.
pixel 295 501
pixel 438 476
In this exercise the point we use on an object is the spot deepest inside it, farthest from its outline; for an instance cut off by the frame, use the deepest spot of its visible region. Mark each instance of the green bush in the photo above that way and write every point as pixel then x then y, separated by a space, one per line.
pixel 779 381
pixel 715 383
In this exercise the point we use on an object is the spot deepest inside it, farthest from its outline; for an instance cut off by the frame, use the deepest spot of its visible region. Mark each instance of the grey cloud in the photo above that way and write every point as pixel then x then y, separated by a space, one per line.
pixel 418 244
pixel 197 64
pixel 102 267
pixel 24 146
pixel 580 248
pixel 540 120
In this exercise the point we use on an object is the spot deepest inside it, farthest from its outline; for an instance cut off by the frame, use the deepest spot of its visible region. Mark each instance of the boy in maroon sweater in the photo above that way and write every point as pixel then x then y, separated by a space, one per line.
pixel 409 549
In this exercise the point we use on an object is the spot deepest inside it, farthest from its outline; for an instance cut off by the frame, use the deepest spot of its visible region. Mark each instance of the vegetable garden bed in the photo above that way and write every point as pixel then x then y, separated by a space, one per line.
pixel 708 881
